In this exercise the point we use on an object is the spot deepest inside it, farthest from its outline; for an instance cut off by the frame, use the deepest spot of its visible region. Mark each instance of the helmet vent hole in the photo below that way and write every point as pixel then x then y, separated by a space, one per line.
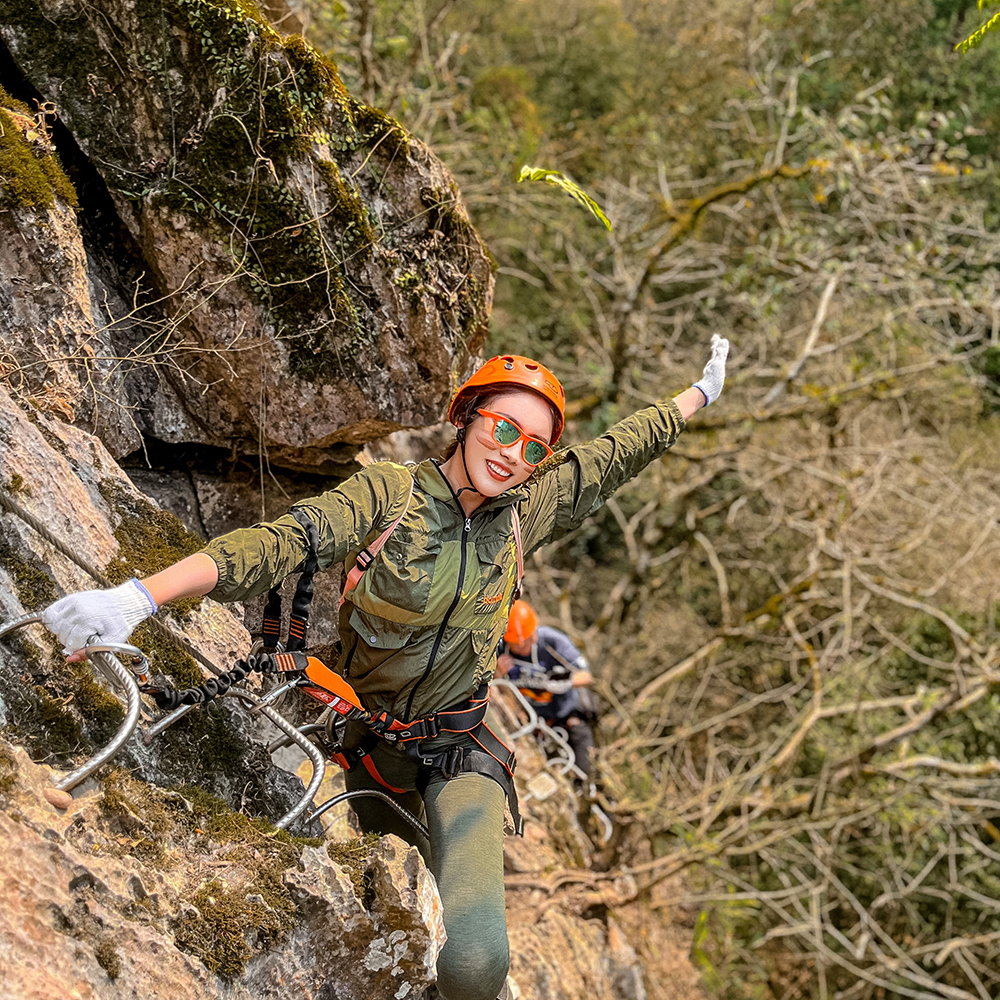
pixel 532 368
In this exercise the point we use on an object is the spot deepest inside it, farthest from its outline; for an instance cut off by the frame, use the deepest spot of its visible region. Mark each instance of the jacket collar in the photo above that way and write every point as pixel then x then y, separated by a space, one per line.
pixel 431 480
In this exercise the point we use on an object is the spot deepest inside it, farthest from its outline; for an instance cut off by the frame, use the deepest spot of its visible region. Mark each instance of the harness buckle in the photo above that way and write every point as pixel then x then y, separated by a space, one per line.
pixel 454 759
pixel 420 729
pixel 380 727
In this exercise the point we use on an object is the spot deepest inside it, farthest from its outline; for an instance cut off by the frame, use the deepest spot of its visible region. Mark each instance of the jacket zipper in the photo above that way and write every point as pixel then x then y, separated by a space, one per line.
pixel 444 624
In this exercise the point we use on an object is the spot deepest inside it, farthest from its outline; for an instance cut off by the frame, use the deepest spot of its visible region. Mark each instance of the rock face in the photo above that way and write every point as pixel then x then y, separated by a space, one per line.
pixel 87 915
pixel 259 263
pixel 66 479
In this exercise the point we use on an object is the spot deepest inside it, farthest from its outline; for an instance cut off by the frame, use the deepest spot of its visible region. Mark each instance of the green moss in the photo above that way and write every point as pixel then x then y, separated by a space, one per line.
pixel 8 770
pixel 34 586
pixel 102 712
pixel 384 134
pixel 355 856
pixel 141 813
pixel 16 484
pixel 281 98
pixel 56 727
pixel 231 921
pixel 107 958
pixel 316 77
pixel 30 173
pixel 261 907
pixel 218 933
pixel 149 540
pixel 66 710
pixel 348 208
pixel 408 281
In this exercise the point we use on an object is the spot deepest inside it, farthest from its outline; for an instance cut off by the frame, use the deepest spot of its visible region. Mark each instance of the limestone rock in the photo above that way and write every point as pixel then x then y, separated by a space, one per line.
pixel 253 242
pixel 394 944
pixel 82 918
pixel 57 351
pixel 559 957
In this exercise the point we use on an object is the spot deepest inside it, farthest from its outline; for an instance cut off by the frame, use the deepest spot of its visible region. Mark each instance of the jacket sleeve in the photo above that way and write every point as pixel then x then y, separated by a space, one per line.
pixel 252 560
pixel 580 480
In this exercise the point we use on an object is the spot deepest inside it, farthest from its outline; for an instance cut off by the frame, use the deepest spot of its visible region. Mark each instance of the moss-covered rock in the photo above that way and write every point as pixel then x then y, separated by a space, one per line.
pixel 33 584
pixel 31 175
pixel 271 216
pixel 8 769
pixel 230 918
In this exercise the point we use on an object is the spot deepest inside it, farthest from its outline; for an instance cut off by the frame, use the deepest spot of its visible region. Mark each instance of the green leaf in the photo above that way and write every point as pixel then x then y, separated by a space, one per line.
pixel 993 24
pixel 562 181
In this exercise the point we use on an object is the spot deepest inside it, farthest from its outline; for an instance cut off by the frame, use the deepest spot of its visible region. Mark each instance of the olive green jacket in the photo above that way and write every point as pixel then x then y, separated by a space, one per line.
pixel 421 629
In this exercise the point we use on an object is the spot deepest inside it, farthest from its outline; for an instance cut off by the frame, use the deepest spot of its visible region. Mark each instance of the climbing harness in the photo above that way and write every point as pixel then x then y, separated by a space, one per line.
pixel 490 756
pixel 295 669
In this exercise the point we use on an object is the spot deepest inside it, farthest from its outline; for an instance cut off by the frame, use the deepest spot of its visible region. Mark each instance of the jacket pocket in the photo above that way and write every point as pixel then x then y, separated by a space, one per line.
pixel 379 633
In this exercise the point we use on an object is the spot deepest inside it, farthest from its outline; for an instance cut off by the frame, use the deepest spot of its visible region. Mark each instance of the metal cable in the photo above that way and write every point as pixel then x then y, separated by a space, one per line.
pixel 15 508
pixel 18 623
pixel 375 794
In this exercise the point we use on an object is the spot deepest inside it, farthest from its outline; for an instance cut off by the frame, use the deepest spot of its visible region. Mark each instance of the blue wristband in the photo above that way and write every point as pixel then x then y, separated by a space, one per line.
pixel 149 596
pixel 702 391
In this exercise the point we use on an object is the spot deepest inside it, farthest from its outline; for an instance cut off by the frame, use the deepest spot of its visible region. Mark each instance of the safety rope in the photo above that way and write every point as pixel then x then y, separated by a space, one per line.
pixel 11 505
pixel 214 687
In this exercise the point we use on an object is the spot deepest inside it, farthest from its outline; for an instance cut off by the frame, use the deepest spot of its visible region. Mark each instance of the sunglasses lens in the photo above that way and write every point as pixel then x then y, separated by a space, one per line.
pixel 534 452
pixel 505 432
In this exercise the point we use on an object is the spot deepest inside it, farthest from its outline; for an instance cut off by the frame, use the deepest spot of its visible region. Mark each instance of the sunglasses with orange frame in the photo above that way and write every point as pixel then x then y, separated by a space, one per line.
pixel 505 432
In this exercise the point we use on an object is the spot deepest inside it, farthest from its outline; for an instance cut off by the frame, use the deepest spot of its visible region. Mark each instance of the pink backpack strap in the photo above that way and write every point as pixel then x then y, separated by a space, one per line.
pixel 516 522
pixel 367 555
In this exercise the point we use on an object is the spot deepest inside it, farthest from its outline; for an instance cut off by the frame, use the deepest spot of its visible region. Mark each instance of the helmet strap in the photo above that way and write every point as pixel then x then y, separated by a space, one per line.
pixel 461 447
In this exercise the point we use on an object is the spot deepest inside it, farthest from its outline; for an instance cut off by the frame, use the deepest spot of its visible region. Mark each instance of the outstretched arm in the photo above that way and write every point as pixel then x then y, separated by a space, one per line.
pixel 194 576
pixel 577 482
pixel 689 402
pixel 236 566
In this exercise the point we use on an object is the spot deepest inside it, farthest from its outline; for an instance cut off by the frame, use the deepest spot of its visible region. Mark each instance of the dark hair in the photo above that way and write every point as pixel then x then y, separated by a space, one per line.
pixel 470 410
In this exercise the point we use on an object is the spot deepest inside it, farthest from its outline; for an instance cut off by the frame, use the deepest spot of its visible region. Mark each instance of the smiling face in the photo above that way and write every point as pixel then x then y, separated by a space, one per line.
pixel 492 468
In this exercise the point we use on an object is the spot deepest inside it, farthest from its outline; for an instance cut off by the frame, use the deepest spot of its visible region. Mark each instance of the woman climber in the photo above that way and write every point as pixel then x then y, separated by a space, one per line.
pixel 421 626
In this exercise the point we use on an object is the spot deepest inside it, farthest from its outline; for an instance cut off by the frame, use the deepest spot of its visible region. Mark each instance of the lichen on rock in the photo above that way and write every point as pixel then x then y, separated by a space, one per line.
pixel 222 910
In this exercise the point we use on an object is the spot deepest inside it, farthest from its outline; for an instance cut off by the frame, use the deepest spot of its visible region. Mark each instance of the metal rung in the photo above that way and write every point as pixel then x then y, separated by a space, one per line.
pixel 122 679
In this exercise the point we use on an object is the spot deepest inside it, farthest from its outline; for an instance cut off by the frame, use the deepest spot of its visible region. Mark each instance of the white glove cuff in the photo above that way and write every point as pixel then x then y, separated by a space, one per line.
pixel 704 392
pixel 137 603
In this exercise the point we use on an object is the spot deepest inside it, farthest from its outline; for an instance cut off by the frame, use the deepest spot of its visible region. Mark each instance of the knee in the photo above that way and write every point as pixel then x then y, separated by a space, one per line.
pixel 475 972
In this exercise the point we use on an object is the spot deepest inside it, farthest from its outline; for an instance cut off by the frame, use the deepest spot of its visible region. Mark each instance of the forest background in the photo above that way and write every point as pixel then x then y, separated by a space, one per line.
pixel 795 615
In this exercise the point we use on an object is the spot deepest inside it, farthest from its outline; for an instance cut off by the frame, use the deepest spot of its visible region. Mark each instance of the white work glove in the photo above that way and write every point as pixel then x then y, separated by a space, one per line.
pixel 110 615
pixel 714 374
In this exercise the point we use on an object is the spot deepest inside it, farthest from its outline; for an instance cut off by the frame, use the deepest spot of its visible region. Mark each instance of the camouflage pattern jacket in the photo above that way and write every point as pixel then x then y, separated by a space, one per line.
pixel 420 631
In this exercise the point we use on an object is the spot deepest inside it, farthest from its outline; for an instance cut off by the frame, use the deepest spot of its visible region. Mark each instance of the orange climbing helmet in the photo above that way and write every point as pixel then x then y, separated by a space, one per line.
pixel 513 370
pixel 522 623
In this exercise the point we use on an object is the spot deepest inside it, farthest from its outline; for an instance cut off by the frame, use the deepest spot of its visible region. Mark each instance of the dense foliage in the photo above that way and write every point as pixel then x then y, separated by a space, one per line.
pixel 801 601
